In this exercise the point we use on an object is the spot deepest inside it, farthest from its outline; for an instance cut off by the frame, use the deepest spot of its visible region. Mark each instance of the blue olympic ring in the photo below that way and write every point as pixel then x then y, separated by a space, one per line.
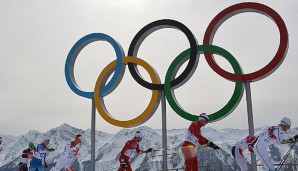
pixel 76 49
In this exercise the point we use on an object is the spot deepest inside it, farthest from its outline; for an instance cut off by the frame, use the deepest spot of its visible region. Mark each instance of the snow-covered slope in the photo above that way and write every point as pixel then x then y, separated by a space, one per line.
pixel 108 147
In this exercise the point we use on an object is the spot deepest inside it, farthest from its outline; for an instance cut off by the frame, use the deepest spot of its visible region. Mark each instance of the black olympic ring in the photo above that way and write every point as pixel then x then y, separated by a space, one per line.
pixel 146 31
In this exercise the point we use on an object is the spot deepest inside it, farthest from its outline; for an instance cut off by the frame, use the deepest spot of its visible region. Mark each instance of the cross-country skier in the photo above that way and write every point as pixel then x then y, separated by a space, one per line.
pixel 27 154
pixel 130 147
pixel 272 135
pixel 194 138
pixel 39 155
pixel 70 152
pixel 240 146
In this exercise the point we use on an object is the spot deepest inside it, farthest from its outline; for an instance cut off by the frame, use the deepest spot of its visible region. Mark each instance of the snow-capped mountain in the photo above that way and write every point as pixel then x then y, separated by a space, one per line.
pixel 108 147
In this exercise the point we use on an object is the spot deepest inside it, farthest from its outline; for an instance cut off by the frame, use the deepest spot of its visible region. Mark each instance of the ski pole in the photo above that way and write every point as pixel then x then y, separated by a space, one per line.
pixel 156 150
pixel 252 164
pixel 112 169
pixel 285 157
pixel 163 149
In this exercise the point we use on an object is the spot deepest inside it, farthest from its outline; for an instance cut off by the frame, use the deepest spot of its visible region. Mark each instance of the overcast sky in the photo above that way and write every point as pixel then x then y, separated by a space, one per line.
pixel 36 36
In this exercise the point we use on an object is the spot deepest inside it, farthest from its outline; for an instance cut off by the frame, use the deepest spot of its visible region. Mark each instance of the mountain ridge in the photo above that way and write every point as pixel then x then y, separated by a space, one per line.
pixel 108 147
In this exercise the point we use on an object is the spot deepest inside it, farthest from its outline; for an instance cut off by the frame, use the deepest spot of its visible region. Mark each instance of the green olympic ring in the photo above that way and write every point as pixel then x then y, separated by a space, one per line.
pixel 172 71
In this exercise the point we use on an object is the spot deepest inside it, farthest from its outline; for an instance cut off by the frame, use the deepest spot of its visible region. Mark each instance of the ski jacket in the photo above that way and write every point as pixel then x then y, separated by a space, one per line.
pixel 40 152
pixel 273 135
pixel 129 148
pixel 71 150
pixel 25 156
pixel 194 135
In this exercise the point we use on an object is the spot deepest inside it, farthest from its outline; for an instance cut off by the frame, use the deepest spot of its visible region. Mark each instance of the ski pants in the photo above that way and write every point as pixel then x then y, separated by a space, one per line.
pixel 36 164
pixel 264 157
pixel 190 158
pixel 63 162
pixel 23 167
pixel 240 159
pixel 40 168
pixel 124 164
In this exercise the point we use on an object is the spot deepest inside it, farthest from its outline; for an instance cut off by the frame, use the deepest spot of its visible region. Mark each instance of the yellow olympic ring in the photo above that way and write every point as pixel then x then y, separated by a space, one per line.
pixel 147 113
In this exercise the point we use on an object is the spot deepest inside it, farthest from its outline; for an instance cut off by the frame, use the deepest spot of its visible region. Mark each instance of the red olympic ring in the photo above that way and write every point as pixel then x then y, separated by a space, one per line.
pixel 240 8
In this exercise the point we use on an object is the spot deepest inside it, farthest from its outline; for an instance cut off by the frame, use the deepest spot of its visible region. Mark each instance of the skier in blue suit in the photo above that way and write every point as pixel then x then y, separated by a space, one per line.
pixel 39 156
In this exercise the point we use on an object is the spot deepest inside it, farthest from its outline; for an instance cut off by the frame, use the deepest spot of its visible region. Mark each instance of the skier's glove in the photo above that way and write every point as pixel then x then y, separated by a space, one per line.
pixel 296 137
pixel 149 150
pixel 292 140
pixel 51 149
pixel 46 165
pixel 212 145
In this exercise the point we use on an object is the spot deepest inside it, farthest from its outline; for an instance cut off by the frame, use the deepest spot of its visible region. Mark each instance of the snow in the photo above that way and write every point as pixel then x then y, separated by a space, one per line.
pixel 108 147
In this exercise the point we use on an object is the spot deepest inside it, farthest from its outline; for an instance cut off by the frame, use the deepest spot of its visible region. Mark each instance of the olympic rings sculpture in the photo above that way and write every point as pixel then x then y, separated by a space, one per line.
pixel 117 67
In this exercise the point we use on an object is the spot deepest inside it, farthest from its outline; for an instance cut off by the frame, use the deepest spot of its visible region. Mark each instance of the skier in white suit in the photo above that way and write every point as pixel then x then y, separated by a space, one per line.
pixel 70 152
pixel 272 135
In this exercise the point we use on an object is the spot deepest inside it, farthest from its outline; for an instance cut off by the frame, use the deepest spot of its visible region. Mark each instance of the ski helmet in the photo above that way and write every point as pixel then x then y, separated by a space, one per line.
pixel 203 116
pixel 78 137
pixel 45 138
pixel 139 134
pixel 31 145
pixel 286 121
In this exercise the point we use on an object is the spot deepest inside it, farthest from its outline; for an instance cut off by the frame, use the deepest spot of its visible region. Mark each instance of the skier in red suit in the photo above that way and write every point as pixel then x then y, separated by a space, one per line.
pixel 192 140
pixel 129 148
